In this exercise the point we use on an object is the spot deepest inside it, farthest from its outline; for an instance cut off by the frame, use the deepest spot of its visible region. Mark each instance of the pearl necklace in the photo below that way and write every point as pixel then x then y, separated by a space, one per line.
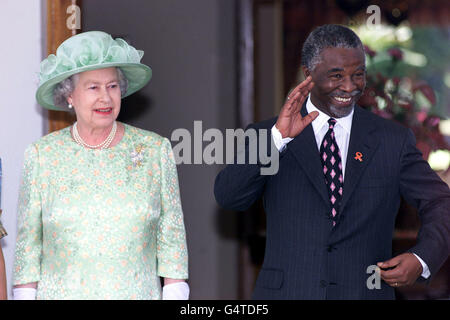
pixel 105 144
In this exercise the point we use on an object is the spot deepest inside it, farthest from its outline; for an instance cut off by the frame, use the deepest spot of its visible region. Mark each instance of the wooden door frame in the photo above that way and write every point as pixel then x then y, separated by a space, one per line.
pixel 248 112
pixel 57 32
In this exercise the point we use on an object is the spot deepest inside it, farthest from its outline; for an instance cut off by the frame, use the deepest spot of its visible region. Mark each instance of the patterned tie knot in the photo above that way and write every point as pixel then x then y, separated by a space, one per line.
pixel 331 122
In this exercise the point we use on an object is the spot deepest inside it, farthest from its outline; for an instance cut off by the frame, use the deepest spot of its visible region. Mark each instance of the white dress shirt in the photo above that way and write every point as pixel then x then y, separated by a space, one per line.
pixel 342 130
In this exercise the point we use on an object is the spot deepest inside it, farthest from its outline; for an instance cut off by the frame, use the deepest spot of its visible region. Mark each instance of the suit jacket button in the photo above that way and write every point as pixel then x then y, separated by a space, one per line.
pixel 330 248
pixel 323 283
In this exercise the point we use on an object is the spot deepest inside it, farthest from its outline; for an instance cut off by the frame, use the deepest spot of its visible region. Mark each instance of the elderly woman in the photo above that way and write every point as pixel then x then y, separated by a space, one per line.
pixel 99 208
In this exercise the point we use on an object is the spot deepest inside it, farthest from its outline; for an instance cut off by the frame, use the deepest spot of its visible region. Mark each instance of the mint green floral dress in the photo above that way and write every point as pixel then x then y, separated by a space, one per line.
pixel 100 224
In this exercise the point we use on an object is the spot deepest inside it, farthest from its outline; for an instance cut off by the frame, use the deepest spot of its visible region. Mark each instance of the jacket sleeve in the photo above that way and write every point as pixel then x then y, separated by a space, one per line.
pixel 421 187
pixel 242 182
pixel 27 264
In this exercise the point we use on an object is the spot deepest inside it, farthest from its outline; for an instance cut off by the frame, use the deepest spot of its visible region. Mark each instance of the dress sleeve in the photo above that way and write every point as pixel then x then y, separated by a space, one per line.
pixel 29 222
pixel 3 232
pixel 171 247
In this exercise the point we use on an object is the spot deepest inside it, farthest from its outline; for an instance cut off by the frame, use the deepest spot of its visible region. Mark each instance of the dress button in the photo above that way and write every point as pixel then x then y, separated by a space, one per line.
pixel 323 283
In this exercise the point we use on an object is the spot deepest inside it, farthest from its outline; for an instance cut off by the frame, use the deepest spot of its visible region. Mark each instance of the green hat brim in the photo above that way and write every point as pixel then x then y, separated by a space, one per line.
pixel 137 74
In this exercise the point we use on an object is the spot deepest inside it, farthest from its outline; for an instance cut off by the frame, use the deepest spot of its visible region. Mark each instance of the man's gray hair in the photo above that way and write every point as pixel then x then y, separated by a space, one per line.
pixel 327 36
pixel 65 88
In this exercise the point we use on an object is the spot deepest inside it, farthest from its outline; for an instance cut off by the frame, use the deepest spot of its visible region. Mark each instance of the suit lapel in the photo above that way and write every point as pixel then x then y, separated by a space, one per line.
pixel 304 149
pixel 363 140
pixel 363 143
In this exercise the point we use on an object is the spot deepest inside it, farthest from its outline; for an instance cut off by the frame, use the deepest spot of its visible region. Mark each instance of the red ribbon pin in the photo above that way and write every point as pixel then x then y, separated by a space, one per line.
pixel 359 156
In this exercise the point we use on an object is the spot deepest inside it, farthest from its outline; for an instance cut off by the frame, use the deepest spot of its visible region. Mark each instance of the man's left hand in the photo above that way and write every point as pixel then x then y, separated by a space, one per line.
pixel 404 270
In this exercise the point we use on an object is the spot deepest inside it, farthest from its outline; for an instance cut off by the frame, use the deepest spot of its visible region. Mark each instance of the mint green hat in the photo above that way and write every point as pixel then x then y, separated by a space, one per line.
pixel 89 51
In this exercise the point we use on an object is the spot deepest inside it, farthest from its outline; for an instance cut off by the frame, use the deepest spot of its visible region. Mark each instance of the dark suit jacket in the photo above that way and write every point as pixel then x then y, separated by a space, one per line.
pixel 307 258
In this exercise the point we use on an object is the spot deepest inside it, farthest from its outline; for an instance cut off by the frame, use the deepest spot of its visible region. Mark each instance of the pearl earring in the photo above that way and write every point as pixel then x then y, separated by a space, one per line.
pixel 70 106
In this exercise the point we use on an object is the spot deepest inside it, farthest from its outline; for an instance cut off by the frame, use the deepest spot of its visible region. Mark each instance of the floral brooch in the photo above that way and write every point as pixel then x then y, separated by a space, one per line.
pixel 137 156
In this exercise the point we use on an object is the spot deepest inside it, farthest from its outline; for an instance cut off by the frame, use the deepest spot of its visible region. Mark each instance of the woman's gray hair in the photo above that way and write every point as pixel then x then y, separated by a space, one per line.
pixel 65 88
pixel 327 36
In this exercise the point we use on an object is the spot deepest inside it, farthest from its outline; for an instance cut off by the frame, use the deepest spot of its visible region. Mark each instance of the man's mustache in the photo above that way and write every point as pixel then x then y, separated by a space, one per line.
pixel 346 94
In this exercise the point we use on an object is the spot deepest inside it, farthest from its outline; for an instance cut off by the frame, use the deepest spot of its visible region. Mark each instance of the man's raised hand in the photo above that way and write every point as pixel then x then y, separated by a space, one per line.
pixel 290 121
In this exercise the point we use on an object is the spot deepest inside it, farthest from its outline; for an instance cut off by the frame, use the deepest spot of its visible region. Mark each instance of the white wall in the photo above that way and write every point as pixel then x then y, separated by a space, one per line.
pixel 21 118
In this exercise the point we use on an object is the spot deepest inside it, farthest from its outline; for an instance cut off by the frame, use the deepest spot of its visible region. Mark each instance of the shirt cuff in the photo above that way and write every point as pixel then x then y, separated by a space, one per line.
pixel 278 140
pixel 425 270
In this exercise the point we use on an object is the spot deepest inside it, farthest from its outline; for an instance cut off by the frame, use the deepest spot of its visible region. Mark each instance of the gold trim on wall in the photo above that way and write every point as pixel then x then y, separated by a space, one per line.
pixel 57 32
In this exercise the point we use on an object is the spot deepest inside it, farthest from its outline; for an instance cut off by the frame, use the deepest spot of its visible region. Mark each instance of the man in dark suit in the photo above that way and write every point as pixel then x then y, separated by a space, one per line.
pixel 331 207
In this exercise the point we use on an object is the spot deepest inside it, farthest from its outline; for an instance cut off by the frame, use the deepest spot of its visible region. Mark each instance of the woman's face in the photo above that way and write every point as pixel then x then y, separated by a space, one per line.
pixel 96 98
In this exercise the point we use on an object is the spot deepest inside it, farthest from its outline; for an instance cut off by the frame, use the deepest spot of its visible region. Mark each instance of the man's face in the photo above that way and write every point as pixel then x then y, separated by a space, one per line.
pixel 339 80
